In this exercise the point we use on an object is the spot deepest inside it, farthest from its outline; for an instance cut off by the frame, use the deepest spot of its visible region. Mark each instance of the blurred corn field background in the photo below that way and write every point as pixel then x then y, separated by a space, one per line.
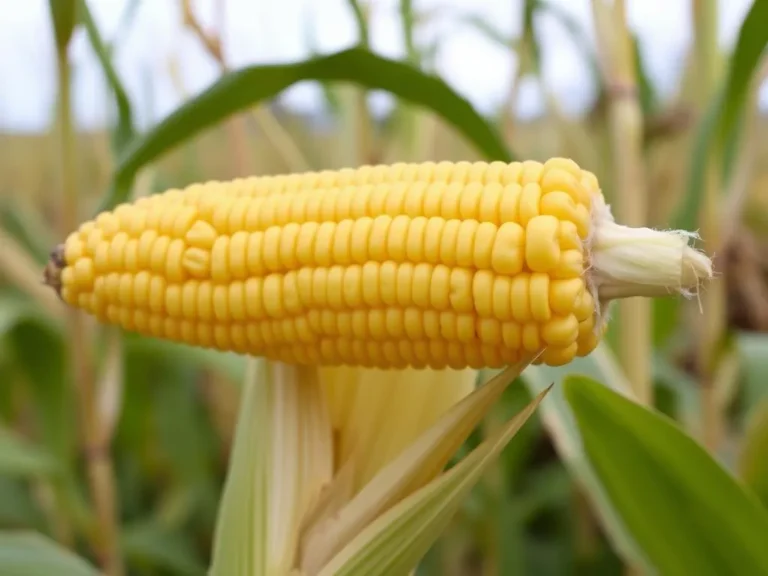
pixel 114 448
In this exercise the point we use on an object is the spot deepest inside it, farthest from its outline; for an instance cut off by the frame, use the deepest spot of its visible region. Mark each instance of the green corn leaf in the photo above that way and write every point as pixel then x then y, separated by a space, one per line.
pixel 228 364
pixel 49 383
pixel 21 458
pixel 126 20
pixel 398 539
pixel 488 30
pixel 686 511
pixel 124 131
pixel 752 463
pixel 151 546
pixel 245 88
pixel 12 310
pixel 647 92
pixel 64 17
pixel 26 227
pixel 362 23
pixel 749 50
pixel 559 421
pixel 18 508
pixel 684 389
pixel 313 49
pixel 30 554
pixel 717 137
pixel 753 354
pixel 408 22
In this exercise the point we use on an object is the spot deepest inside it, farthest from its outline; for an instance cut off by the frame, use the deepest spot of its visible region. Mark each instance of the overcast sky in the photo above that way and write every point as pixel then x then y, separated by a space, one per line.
pixel 276 31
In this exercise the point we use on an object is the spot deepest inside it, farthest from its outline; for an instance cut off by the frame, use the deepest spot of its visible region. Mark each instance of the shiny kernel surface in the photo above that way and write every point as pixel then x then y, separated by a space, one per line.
pixel 426 265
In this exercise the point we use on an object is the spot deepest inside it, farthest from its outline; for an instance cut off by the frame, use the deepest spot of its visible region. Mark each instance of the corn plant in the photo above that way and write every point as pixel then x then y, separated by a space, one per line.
pixel 207 380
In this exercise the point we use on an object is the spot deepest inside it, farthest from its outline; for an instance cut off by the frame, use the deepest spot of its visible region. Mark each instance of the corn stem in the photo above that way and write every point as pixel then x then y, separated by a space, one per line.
pixel 626 127
pixel 95 442
pixel 713 300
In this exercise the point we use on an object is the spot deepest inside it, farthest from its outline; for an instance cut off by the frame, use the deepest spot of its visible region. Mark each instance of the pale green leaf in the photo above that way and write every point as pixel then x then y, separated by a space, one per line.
pixel 753 353
pixel 239 544
pixel 281 458
pixel 718 135
pixel 21 458
pixel 31 554
pixel 398 539
pixel 686 511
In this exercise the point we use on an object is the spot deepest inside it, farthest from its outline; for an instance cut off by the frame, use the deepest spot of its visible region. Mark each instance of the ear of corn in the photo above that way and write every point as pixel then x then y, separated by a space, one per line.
pixel 428 265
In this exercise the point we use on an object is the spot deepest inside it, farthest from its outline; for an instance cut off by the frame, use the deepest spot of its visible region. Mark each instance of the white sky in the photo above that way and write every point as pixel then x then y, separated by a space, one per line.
pixel 261 31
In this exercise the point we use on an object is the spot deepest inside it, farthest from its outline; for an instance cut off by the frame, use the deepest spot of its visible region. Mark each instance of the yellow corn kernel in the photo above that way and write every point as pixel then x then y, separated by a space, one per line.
pixel 542 248
pixel 434 264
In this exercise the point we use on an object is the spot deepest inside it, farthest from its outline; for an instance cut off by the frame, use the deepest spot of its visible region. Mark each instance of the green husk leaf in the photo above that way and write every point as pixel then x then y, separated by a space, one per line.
pixel 396 541
pixel 31 554
pixel 686 511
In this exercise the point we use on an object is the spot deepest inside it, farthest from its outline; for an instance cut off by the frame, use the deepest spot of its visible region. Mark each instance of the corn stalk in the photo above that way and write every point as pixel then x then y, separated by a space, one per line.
pixel 95 428
pixel 626 132
pixel 713 300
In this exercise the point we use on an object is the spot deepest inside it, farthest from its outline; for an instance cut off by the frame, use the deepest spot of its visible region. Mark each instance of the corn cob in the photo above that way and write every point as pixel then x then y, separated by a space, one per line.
pixel 425 265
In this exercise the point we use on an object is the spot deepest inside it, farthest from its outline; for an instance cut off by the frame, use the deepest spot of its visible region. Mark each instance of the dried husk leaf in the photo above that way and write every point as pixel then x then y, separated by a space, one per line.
pixel 413 468
pixel 396 541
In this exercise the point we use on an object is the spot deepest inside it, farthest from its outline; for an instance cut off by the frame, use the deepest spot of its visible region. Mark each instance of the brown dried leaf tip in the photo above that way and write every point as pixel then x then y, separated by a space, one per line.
pixel 53 268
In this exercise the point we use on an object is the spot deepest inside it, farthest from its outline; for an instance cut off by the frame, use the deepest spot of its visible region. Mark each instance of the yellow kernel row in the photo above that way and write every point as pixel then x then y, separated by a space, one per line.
pixel 275 338
pixel 401 239
pixel 494 203
pixel 524 297
pixel 491 203
pixel 551 247
pixel 381 324
pixel 556 171
pixel 168 220
pixel 436 354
